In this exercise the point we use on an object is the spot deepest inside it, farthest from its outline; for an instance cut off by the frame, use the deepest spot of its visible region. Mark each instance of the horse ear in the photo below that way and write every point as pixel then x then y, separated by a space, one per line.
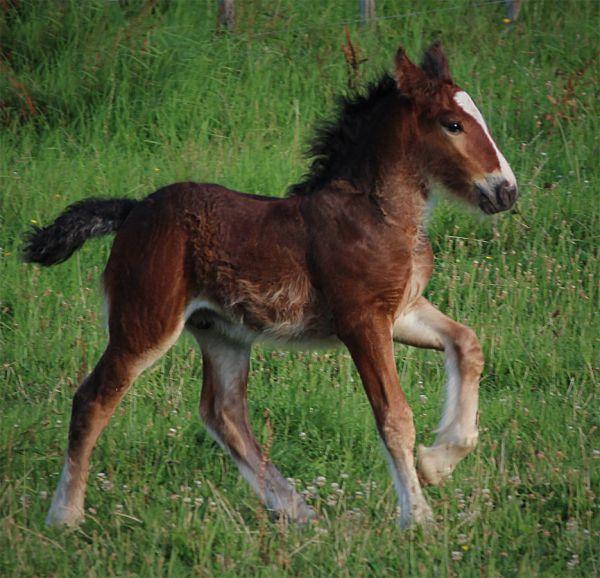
pixel 435 63
pixel 409 77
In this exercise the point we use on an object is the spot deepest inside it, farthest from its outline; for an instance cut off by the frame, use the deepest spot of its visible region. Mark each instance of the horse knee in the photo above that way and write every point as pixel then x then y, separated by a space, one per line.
pixel 207 413
pixel 469 349
pixel 213 416
pixel 86 401
pixel 84 394
pixel 398 429
pixel 102 390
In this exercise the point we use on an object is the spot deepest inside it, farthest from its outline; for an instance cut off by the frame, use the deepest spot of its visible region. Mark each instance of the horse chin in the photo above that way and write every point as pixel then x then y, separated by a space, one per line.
pixel 488 207
pixel 466 194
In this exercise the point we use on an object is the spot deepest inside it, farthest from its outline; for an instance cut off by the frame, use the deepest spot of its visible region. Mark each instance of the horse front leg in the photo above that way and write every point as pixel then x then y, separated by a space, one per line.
pixel 372 349
pixel 425 326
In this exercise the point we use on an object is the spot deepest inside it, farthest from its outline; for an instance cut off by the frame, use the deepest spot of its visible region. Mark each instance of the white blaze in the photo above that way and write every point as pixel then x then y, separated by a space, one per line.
pixel 466 103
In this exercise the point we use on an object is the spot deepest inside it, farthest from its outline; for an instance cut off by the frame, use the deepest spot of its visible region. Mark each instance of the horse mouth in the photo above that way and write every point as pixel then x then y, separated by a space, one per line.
pixel 501 198
pixel 488 206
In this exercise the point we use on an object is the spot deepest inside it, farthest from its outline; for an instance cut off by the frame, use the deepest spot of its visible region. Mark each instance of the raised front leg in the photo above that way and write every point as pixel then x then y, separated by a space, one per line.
pixel 425 326
pixel 372 349
pixel 224 410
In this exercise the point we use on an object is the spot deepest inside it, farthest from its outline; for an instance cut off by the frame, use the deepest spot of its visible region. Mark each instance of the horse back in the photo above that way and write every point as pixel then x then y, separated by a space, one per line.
pixel 242 257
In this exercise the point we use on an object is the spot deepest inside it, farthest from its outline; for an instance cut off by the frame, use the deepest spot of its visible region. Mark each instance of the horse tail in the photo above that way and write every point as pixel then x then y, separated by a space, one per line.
pixel 78 223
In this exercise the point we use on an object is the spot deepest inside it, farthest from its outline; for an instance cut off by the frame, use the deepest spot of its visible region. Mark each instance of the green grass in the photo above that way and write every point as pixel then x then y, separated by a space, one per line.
pixel 128 100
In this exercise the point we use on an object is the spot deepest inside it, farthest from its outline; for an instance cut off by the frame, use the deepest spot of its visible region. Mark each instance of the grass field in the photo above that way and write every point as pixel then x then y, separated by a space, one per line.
pixel 113 99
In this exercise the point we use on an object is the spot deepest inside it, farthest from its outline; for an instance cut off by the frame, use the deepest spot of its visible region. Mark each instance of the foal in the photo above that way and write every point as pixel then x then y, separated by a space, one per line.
pixel 344 258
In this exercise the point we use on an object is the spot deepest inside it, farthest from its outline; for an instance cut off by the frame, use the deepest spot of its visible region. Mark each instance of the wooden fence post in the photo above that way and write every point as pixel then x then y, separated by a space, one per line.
pixel 513 7
pixel 367 10
pixel 226 14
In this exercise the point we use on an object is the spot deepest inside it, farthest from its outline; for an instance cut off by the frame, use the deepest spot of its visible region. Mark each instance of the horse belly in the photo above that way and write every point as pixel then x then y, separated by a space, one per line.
pixel 290 315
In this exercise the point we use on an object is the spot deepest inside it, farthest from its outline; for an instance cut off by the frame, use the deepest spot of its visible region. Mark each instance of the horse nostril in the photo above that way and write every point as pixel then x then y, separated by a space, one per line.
pixel 506 193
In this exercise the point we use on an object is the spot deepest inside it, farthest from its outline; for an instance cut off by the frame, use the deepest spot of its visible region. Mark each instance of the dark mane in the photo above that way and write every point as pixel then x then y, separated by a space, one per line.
pixel 341 148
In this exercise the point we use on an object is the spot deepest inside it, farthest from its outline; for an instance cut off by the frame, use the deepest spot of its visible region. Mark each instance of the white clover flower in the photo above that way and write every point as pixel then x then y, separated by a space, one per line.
pixel 107 485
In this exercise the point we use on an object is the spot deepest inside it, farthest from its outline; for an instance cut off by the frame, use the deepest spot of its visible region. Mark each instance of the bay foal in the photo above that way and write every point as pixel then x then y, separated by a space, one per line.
pixel 344 258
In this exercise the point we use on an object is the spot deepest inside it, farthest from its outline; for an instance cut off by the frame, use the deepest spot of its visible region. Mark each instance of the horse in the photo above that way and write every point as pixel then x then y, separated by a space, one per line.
pixel 343 258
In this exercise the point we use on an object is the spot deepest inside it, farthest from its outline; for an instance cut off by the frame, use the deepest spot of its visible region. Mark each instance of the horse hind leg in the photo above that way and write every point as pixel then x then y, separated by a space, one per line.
pixel 224 410
pixel 125 357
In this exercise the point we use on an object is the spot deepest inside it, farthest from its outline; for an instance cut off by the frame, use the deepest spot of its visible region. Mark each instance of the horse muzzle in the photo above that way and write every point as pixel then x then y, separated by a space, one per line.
pixel 496 196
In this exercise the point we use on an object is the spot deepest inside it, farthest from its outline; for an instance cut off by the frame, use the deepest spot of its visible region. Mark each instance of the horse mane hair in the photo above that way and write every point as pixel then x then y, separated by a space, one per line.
pixel 343 148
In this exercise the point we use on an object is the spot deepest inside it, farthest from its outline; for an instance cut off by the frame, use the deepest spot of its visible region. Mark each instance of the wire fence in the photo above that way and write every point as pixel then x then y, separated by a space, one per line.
pixel 244 34
pixel 375 19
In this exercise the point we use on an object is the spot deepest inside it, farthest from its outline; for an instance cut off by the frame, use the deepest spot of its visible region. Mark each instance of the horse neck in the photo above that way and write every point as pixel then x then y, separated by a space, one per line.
pixel 401 190
pixel 383 170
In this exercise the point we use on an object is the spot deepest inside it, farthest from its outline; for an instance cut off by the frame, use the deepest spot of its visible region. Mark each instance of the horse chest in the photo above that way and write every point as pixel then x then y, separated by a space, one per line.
pixel 420 273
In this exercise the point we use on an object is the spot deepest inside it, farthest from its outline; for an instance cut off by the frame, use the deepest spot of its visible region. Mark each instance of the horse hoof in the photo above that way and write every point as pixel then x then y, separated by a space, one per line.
pixel 437 462
pixel 306 517
pixel 421 515
pixel 432 465
pixel 64 517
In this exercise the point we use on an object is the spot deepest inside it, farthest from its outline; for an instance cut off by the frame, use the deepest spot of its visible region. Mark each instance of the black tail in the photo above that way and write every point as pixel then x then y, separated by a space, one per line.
pixel 78 223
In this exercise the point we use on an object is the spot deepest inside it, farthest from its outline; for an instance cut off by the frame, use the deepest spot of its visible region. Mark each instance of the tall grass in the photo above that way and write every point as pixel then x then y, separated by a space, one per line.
pixel 112 99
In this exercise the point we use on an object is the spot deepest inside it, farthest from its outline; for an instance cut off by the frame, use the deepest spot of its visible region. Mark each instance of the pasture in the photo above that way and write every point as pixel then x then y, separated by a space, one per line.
pixel 117 99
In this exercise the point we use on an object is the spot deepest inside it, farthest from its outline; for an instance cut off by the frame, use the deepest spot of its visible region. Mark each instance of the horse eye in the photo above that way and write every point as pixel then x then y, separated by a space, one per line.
pixel 453 127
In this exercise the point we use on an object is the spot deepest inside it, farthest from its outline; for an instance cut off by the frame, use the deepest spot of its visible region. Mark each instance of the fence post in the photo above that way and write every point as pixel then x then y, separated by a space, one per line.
pixel 367 10
pixel 513 7
pixel 226 14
